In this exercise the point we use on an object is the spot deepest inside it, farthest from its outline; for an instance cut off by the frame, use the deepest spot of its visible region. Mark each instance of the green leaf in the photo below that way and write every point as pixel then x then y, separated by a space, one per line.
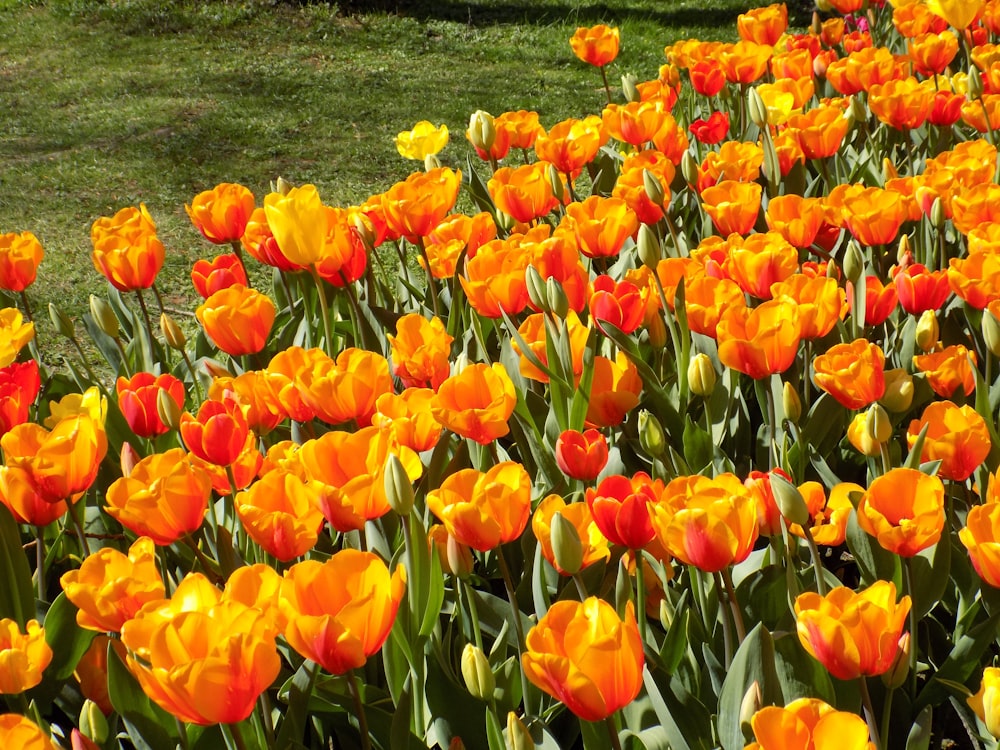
pixel 698 446
pixel 799 674
pixel 149 726
pixel 494 733
pixel 960 664
pixel 754 662
pixel 920 733
pixel 17 598
pixel 932 568
pixel 874 563
pixel 67 640
pixel 682 717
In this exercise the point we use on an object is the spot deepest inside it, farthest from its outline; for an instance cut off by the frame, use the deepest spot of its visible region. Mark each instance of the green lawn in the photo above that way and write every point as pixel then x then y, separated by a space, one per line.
pixel 116 102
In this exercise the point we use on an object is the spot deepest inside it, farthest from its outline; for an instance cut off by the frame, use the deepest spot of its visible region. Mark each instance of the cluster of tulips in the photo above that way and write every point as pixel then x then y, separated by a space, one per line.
pixel 729 347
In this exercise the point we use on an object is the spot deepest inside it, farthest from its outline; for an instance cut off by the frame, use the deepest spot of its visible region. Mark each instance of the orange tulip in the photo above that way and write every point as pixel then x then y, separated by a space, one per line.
pixel 340 612
pixel 484 510
pixel 880 300
pixel 594 546
pixel 920 289
pixel 744 62
pixel 421 351
pixel 201 657
pixel 874 215
pixel 347 390
pixel 523 193
pixel 92 671
pixel 19 386
pixel 808 724
pixel 829 514
pixel 708 523
pixel 20 255
pixel 734 161
pixel 522 127
pixel 256 392
pixel 932 53
pixel 581 455
pixel 820 131
pixel 760 261
pixel 494 279
pixel 621 508
pixel 414 207
pixel 283 379
pixel 981 537
pixel 852 634
pixel 948 370
pixel 218 433
pixel 458 233
pixel 23 656
pixel 732 206
pixel 707 299
pixel 902 104
pixel 109 588
pixel 636 123
pixel 761 341
pixel 126 250
pixel 854 373
pixel 707 77
pixel 821 302
pixel 21 732
pixel 763 25
pixel 904 510
pixel 986 702
pixel 19 494
pixel 956 435
pixel 164 497
pixel 797 219
pixel 571 144
pixel 534 332
pixel 279 513
pixel 584 655
pixel 476 403
pixel 221 214
pixel 222 272
pixel 137 397
pixel 259 241
pixel 238 319
pixel 976 278
pixel 597 45
pixel 408 418
pixel 601 225
pixel 614 390
pixel 558 258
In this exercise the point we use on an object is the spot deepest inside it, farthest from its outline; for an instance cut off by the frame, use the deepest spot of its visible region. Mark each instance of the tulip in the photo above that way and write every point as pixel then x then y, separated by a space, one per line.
pixel 238 319
pixel 23 656
pixel 201 657
pixel 808 724
pixel 959 13
pixel 20 495
pixel 19 386
pixel 904 510
pixel 761 341
pixel 732 206
pixel 340 612
pixel 981 537
pixel 852 373
pixel 92 671
pixel 571 144
pixel 956 435
pixel 137 399
pixel 621 508
pixel 852 634
pixel 421 351
pixel 109 588
pixel 476 403
pixel 484 510
pixel 597 45
pixel 919 289
pixel 218 433
pixel 221 214
pixel 222 272
pixel 280 514
pixel 760 261
pixel 614 390
pixel 422 141
pixel 127 251
pixel 593 545
pixel 523 193
pixel 348 388
pixel 581 455
pixel 408 418
pixel 21 732
pixel 14 334
pixel 20 255
pixel 414 207
pixel 601 225
pixel 986 702
pixel 707 77
pixel 297 222
pixel 585 656
pixel 948 370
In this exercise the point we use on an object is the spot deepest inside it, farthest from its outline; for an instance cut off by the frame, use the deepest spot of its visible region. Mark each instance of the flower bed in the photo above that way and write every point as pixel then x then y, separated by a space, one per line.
pixel 727 347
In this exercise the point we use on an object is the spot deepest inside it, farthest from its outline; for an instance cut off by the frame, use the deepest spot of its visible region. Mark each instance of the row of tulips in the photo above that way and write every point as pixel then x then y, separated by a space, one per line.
pixel 728 348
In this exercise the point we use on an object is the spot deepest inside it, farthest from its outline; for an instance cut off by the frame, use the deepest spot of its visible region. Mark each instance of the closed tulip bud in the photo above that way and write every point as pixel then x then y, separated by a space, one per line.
pixel 900 668
pixel 628 88
pixel 856 110
pixel 824 6
pixel 456 744
pixel 928 331
pixel 566 546
pixel 701 375
pixel 104 316
pixel 653 187
pixel 651 436
pixel 898 390
pixel 854 262
pixel 756 108
pixel 518 736
pixel 555 181
pixel 431 162
pixel 666 614
pixel 172 332
pixel 476 672
pixel 817 24
pixel 877 424
pixel 129 458
pixel 168 410
pixel 657 332
pixel 904 253
pixel 689 168
pixel 63 325
pixel 216 370
pixel 282 186
pixel 789 500
pixel 991 332
pixel 832 272
pixel 482 130
pixel 93 723
pixel 938 215
pixel 753 701
pixel 555 297
pixel 975 84
pixel 536 288
pixel 459 557
pixel 791 403
pixel 648 247
pixel 398 486
pixel 505 222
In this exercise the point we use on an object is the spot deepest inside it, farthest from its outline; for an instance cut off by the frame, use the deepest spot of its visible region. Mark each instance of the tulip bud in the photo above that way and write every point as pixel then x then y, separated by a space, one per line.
pixel 898 390
pixel 666 614
pixel 129 458
pixel 854 262
pixel 937 213
pixel 172 332
pixel 900 668
pixel 832 272
pixel 104 316
pixel 63 325
pixel 656 330
pixel 824 6
pixel 167 409
pixel 991 332
pixel 904 255
pixel 877 424
pixel 476 671
pixel 459 557
pixel 753 700
pixel 670 75
pixel 456 744
pixel 889 171
pixel 566 546
pixel 536 288
pixel 79 741
pixel 648 247
pixel 282 186
pixel 791 404
pixel 789 500
pixel 555 297
pixel 928 331
pixel 398 487
pixel 651 436
pixel 756 108
pixel 93 723
pixel 628 87
pixel 689 168
pixel 816 27
pixel 555 181
pixel 653 187
pixel 482 132
pixel 857 110
pixel 974 84
pixel 216 370
pixel 701 375
pixel 431 161
pixel 518 736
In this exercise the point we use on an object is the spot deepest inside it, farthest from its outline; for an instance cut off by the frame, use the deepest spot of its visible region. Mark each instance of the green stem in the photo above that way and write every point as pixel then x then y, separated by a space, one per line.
pixel 866 701
pixel 727 579
pixel 908 579
pixel 727 628
pixel 77 522
pixel 145 316
pixel 772 423
pixel 817 564
pixel 236 734
pixel 580 588
pixel 886 715
pixel 470 596
pixel 508 582
pixel 604 78
pixel 610 721
pixel 431 286
pixel 238 252
pixel 324 311
pixel 640 594
pixel 359 709
pixel 40 560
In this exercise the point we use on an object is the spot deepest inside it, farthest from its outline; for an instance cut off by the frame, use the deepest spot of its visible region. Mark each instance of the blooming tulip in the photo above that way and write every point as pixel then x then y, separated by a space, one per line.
pixel 597 45
pixel 23 656
pixel 956 435
pixel 279 513
pixel 126 249
pixel 19 386
pixel 138 396
pixel 476 403
pixel 238 319
pixel 21 732
pixel 221 214
pixel 852 373
pixel 422 141
pixel 218 433
pixel 760 341
pixel 808 724
pixel 421 351
pixel 222 272
pixel 581 455
pixel 981 537
pixel 593 544
pixel 20 255
pixel 904 510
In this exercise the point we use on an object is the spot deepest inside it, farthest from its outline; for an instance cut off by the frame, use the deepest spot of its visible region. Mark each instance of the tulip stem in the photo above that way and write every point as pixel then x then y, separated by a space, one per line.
pixel 886 714
pixel 604 78
pixel 145 316
pixel 508 582
pixel 431 286
pixel 580 588
pixel 727 628
pixel 817 564
pixel 866 701
pixel 40 560
pixel 883 449
pixel 324 310
pixel 727 579
pixel 359 708
pixel 612 726
pixel 238 252
pixel 908 578
pixel 470 596
pixel 640 594
pixel 236 734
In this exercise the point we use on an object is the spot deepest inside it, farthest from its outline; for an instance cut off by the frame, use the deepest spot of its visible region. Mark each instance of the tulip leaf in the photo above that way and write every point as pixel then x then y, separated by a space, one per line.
pixel 754 662
pixel 874 563
pixel 17 600
pixel 682 717
pixel 984 410
pixel 698 446
pixel 149 726
pixel 104 343
pixel 919 737
pixel 494 733
pixel 800 675
pixel 478 190
pixel 67 640
pixel 960 664
pixel 675 643
pixel 932 567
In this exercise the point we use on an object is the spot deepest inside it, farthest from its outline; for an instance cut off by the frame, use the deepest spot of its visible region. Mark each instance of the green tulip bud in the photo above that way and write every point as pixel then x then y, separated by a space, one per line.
pixel 756 108
pixel 652 439
pixel 648 247
pixel 974 88
pixel 897 673
pixel 898 391
pixel 93 723
pixel 877 424
pixel 61 321
pixel 431 161
pixel 937 213
pixel 789 500
pixel 791 404
pixel 398 486
pixel 555 181
pixel 518 736
pixel 104 316
pixel 476 671
pixel 991 332
pixel 753 701
pixel 689 168
pixel 536 288
pixel 172 332
pixel 629 82
pixel 282 186
pixel 566 546
pixel 854 262
pixel 482 132
pixel 167 409
pixel 653 187
pixel 555 297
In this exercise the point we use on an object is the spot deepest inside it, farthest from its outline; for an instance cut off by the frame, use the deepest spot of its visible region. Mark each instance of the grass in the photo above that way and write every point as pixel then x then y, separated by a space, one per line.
pixel 109 103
